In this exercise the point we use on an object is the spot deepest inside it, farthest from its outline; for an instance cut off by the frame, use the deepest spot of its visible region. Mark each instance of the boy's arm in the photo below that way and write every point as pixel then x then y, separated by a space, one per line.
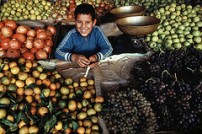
pixel 105 46
pixel 63 50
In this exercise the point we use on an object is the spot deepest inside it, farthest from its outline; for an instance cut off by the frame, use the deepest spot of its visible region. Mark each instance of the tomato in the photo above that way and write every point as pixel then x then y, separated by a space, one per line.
pixel 49 42
pixel 11 23
pixel 1 24
pixel 52 29
pixel 2 53
pixel 41 35
pixel 15 44
pixel 41 54
pixel 23 50
pixel 20 37
pixel 38 43
pixel 5 43
pixel 6 31
pixel 22 29
pixel 47 49
pixel 28 55
pixel 29 43
pixel 33 50
pixel 12 53
pixel 31 33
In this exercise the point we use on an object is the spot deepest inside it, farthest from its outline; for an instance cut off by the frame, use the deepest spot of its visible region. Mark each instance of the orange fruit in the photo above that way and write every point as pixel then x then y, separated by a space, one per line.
pixel 52 93
pixel 33 110
pixel 37 90
pixel 68 81
pixel 64 90
pixel 28 91
pixel 38 82
pixel 28 64
pixel 21 61
pixel 42 76
pixel 33 129
pixel 81 130
pixel 15 70
pixel 20 83
pixel 99 99
pixel 43 110
pixel 22 75
pixel 2 113
pixel 12 64
pixel 87 94
pixel 10 118
pixel 59 125
pixel 29 80
pixel 68 130
pixel 5 80
pixel 29 98
pixel 53 86
pixel 72 105
pixel 47 82
pixel 35 73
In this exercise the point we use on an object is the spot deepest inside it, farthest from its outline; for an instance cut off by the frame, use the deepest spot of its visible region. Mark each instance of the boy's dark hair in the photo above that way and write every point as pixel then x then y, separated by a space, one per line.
pixel 85 9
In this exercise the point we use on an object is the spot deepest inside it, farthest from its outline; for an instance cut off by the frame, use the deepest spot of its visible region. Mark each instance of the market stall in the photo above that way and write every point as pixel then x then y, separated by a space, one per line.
pixel 150 84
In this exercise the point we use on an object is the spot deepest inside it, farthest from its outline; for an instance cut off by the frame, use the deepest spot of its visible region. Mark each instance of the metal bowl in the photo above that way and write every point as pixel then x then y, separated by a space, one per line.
pixel 127 11
pixel 138 25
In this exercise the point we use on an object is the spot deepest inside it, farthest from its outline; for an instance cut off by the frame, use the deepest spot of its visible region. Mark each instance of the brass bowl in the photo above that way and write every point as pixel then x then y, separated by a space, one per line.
pixel 138 25
pixel 127 11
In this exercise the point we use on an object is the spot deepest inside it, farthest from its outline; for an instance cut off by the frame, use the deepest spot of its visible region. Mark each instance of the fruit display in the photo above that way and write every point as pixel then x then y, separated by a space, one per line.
pixel 127 111
pixel 58 11
pixel 171 82
pixel 33 43
pixel 150 5
pixel 36 100
pixel 63 11
pixel 25 10
pixel 180 27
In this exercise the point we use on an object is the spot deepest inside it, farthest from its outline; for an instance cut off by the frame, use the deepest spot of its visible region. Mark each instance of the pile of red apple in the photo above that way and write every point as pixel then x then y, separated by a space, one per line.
pixel 34 43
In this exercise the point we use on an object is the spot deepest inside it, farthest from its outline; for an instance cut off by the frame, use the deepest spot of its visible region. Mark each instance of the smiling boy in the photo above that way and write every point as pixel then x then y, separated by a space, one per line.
pixel 86 43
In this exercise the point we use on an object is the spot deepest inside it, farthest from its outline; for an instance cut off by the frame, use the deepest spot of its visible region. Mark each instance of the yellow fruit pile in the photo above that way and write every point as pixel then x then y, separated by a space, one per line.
pixel 35 100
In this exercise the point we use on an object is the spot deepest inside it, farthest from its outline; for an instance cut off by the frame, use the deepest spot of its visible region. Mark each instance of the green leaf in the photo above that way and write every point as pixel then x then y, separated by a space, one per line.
pixel 3 106
pixel 1 67
pixel 14 107
pixel 75 125
pixel 12 126
pixel 25 119
pixel 33 85
pixel 50 106
pixel 50 123
pixel 11 97
pixel 19 116
pixel 66 125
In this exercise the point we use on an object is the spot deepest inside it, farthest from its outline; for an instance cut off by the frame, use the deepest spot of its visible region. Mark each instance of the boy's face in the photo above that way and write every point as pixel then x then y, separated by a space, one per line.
pixel 84 24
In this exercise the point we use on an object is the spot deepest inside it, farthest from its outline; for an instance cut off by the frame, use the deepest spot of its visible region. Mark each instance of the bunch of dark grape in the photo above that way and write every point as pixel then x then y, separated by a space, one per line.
pixel 126 111
pixel 185 64
pixel 172 81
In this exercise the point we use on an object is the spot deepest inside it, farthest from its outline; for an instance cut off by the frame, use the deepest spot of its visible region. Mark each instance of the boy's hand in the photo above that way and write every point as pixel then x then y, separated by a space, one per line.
pixel 93 61
pixel 93 58
pixel 81 60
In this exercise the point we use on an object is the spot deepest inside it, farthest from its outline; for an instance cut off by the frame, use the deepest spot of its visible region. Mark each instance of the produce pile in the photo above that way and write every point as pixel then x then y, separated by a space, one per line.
pixel 150 5
pixel 64 10
pixel 127 111
pixel 26 10
pixel 59 11
pixel 25 41
pixel 180 27
pixel 171 82
pixel 35 100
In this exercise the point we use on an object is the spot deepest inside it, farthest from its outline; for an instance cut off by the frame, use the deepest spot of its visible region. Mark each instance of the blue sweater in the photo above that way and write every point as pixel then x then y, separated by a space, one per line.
pixel 95 43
